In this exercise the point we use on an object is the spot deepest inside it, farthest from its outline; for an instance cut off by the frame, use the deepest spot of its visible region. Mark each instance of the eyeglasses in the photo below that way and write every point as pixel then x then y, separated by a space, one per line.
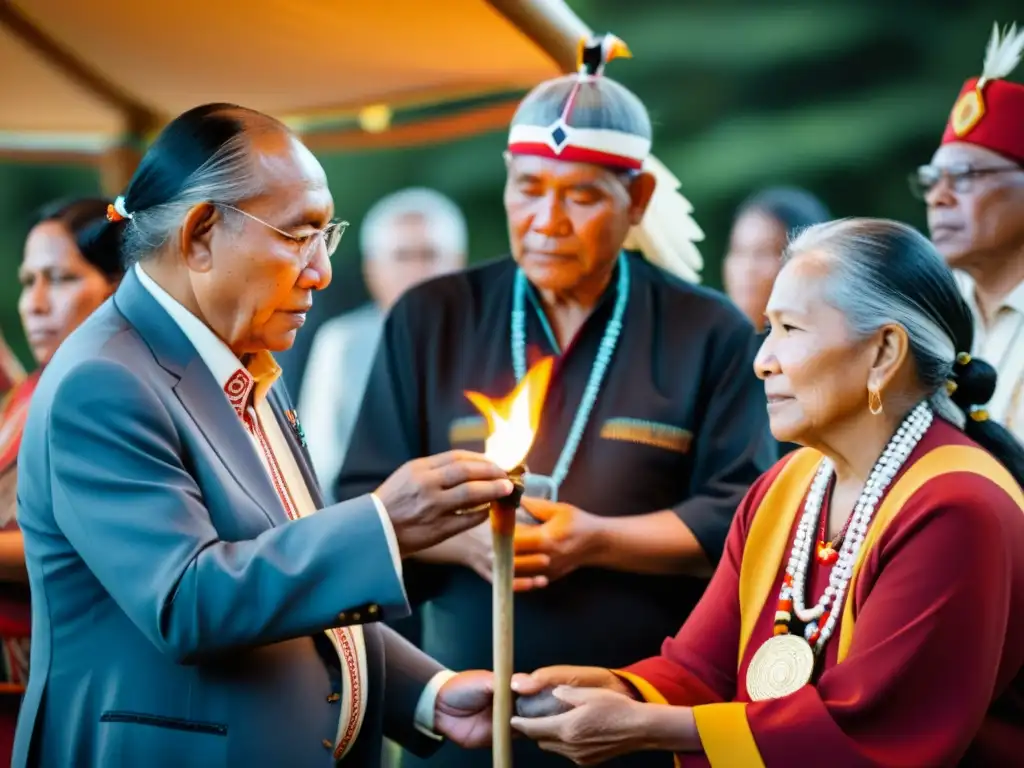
pixel 961 177
pixel 331 234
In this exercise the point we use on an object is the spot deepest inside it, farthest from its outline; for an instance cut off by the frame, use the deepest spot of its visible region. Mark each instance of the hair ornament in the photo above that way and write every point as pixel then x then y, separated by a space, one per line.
pixel 116 211
pixel 593 53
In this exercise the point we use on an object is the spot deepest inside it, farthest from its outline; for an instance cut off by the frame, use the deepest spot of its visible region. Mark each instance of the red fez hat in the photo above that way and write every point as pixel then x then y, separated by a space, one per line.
pixel 990 111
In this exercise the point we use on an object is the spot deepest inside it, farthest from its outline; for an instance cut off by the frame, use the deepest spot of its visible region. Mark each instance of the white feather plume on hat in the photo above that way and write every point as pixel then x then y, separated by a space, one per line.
pixel 668 234
pixel 1003 53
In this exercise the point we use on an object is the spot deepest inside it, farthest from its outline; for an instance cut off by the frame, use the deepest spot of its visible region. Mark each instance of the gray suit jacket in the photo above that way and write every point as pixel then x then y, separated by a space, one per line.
pixel 177 618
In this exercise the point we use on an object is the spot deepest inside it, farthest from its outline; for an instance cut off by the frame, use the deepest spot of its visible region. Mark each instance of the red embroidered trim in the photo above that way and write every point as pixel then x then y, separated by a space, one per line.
pixel 343 636
pixel 573 154
pixel 238 388
pixel 355 691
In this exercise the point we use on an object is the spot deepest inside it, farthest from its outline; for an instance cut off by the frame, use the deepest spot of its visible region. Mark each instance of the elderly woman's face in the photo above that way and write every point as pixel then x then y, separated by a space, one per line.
pixel 253 284
pixel 59 288
pixel 568 221
pixel 815 374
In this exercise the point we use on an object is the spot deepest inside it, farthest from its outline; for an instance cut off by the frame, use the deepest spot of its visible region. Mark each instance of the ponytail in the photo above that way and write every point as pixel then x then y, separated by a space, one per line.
pixel 974 383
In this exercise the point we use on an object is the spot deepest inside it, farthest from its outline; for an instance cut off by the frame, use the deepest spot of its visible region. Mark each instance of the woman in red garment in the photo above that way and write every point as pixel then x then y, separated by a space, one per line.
pixel 69 267
pixel 869 608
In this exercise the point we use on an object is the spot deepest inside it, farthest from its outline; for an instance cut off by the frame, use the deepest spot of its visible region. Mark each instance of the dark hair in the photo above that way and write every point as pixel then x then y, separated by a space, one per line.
pixel 200 156
pixel 887 272
pixel 794 208
pixel 85 220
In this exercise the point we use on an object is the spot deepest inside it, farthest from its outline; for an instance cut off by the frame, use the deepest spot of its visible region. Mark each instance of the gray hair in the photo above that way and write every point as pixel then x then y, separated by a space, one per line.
pixel 202 156
pixel 444 218
pixel 887 273
pixel 229 177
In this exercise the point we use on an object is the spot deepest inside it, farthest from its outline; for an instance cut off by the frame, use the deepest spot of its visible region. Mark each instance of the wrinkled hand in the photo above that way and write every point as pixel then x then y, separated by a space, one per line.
pixel 462 712
pixel 564 541
pixel 536 698
pixel 601 725
pixel 423 495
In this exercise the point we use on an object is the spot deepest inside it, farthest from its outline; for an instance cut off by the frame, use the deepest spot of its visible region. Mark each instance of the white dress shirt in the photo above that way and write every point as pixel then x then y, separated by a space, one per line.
pixel 223 364
pixel 333 383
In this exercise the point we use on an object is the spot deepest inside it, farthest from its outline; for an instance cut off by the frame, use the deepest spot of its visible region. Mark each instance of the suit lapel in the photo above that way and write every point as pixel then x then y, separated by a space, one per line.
pixel 199 393
pixel 217 420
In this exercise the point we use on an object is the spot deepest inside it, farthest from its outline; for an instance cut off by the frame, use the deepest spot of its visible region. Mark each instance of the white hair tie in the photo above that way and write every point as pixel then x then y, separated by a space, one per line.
pixel 117 210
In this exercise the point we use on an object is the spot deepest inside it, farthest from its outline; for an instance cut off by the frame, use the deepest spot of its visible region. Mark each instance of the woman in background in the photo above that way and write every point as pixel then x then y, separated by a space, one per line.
pixel 763 226
pixel 69 268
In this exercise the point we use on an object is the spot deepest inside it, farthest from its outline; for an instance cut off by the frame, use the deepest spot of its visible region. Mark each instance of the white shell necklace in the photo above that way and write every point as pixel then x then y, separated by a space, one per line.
pixel 821 618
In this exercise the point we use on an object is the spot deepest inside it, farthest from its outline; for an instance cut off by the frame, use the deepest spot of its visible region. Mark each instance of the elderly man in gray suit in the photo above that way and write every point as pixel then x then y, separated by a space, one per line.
pixel 194 603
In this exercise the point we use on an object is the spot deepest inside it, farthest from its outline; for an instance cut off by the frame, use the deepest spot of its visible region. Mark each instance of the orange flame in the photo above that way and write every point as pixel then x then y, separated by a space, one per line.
pixel 512 421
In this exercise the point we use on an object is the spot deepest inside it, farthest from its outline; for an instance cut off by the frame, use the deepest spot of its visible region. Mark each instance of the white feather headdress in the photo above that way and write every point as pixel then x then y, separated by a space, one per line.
pixel 1003 54
pixel 668 234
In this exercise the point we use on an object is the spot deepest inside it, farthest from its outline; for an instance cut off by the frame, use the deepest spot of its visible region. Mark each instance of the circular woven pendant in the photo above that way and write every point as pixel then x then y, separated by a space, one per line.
pixel 783 665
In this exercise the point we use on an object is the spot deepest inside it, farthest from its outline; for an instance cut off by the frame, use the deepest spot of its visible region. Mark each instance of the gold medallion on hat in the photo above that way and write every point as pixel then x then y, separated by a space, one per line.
pixel 783 665
pixel 967 112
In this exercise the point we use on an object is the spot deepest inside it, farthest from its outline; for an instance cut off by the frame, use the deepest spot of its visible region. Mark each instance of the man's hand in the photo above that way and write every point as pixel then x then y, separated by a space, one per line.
pixel 462 712
pixel 565 540
pixel 423 496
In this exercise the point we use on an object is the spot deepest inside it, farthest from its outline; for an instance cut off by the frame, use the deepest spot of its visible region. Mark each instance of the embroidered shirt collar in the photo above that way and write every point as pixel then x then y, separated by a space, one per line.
pixel 238 381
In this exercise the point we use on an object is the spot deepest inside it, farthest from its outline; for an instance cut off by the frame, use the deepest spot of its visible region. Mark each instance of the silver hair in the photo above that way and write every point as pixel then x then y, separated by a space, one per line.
pixel 856 287
pixel 228 176
pixel 445 220
pixel 599 103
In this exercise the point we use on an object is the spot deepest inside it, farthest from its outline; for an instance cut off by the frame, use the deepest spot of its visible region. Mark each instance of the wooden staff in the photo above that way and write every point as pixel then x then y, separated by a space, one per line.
pixel 503 526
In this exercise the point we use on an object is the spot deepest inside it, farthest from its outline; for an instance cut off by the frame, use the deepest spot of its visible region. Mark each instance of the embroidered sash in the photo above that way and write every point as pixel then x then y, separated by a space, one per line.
pixel 348 642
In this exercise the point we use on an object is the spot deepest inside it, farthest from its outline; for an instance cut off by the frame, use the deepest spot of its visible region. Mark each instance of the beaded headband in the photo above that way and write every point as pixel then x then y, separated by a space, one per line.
pixel 562 141
pixel 116 211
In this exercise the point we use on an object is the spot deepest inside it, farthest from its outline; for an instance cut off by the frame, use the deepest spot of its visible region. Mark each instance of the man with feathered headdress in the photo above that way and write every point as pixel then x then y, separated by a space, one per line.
pixel 974 188
pixel 654 424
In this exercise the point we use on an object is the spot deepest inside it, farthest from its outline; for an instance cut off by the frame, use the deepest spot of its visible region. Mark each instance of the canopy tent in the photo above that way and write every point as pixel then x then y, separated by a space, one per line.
pixel 90 80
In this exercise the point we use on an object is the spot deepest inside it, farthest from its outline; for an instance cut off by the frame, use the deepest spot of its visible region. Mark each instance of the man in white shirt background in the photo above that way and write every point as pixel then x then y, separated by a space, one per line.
pixel 974 189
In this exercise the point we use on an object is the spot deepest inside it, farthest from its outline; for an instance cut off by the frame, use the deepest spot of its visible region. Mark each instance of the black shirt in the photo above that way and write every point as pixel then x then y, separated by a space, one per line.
pixel 680 423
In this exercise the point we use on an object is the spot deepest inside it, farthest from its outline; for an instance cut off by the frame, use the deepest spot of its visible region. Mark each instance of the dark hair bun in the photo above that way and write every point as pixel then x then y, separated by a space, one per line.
pixel 975 383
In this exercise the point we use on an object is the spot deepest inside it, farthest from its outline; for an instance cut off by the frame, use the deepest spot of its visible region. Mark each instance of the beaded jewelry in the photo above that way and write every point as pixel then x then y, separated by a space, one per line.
pixel 605 353
pixel 820 619
pixel 785 662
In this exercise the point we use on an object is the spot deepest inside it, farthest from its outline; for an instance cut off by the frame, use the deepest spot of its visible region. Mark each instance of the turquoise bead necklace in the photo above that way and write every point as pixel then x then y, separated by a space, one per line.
pixel 605 352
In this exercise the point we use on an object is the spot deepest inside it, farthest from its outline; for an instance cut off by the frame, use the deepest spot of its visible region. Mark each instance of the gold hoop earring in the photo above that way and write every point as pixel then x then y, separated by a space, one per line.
pixel 875 402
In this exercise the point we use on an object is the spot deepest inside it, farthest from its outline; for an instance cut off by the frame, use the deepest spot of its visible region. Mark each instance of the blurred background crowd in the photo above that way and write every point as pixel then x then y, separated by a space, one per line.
pixel 774 114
